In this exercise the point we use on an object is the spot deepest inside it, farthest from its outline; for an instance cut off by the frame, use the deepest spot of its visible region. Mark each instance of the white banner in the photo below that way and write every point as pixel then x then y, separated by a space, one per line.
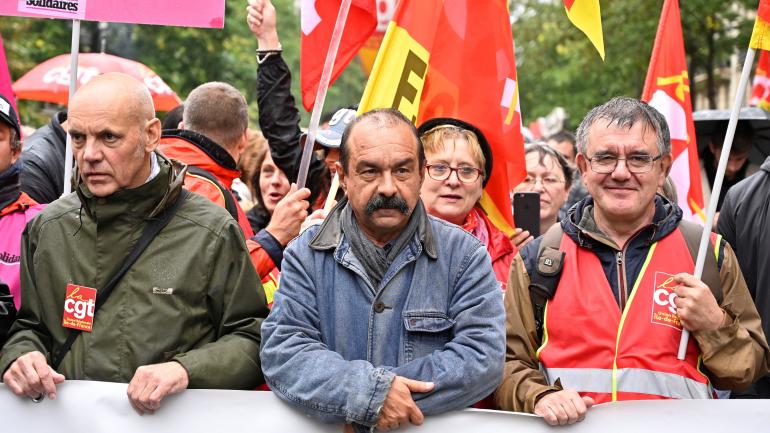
pixel 103 407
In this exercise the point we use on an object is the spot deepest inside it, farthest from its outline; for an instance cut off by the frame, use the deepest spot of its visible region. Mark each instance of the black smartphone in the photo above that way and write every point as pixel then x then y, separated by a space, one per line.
pixel 526 211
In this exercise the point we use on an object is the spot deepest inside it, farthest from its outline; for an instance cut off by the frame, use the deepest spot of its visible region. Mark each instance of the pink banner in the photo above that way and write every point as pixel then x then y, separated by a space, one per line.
pixel 5 78
pixel 183 13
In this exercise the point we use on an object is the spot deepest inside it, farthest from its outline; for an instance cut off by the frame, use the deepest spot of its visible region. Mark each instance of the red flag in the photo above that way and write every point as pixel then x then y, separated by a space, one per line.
pixel 760 92
pixel 318 20
pixel 5 78
pixel 667 88
pixel 438 61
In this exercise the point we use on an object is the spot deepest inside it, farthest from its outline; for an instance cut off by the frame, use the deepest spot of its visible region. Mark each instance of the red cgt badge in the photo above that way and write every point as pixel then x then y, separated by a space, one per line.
pixel 79 303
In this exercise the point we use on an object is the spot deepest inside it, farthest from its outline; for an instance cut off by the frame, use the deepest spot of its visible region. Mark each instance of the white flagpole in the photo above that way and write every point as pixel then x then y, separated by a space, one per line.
pixel 712 207
pixel 320 97
pixel 74 50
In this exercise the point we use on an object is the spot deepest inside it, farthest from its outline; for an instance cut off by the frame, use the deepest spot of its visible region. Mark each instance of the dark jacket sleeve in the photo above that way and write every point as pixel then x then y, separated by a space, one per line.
pixel 42 173
pixel 279 121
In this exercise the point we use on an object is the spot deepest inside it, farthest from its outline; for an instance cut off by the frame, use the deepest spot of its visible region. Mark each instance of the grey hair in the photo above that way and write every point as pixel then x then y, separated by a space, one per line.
pixel 625 112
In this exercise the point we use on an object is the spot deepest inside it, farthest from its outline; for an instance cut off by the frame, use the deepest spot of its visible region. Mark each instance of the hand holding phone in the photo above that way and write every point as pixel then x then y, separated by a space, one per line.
pixel 526 212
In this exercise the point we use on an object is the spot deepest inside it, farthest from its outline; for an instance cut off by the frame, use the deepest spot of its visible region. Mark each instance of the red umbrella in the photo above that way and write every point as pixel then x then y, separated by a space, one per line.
pixel 49 81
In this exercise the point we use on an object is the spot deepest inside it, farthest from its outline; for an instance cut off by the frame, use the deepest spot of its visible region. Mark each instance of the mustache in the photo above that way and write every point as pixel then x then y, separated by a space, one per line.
pixel 382 202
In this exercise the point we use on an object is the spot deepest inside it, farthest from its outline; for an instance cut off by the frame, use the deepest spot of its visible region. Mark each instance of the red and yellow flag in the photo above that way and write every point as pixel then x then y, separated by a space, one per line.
pixel 760 36
pixel 318 18
pixel 667 88
pixel 760 89
pixel 586 15
pixel 437 61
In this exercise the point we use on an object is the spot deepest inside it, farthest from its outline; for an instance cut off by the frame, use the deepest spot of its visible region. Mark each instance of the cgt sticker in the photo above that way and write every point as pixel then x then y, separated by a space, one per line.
pixel 663 307
pixel 79 304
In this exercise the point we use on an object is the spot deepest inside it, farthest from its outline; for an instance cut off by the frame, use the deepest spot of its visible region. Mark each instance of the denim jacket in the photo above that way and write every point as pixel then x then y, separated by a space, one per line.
pixel 333 344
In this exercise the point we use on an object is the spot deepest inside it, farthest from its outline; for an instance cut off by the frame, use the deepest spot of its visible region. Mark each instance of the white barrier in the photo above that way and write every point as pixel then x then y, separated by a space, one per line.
pixel 103 407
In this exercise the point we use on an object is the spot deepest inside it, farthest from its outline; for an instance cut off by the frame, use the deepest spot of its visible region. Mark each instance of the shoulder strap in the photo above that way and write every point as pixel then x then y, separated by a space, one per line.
pixel 545 279
pixel 150 231
pixel 230 204
pixel 692 233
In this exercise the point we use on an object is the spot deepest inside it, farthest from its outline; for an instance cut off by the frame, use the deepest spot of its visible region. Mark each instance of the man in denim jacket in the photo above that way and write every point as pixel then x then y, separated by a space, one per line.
pixel 384 314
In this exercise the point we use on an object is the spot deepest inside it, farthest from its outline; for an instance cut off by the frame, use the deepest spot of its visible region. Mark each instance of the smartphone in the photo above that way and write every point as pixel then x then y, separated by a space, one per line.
pixel 526 211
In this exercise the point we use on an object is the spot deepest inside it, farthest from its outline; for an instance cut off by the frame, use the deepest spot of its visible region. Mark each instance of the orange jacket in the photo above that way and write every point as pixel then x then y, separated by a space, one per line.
pixel 197 150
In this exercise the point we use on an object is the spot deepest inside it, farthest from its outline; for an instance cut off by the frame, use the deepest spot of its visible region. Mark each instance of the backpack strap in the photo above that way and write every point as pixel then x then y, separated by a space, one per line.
pixel 150 231
pixel 230 204
pixel 545 279
pixel 692 233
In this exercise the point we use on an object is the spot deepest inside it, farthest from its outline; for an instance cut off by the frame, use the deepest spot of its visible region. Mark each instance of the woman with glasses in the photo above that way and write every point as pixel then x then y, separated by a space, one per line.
pixel 458 165
pixel 549 174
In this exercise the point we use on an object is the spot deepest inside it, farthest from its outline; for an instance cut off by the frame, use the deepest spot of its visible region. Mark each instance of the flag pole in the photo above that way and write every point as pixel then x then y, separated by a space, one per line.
pixel 74 50
pixel 320 96
pixel 740 95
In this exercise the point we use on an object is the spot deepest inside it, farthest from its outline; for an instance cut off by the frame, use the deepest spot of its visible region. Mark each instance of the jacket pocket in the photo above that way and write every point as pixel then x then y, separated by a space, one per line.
pixel 426 332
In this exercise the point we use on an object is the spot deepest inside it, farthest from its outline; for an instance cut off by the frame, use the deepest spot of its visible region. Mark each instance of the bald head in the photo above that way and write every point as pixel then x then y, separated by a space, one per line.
pixel 114 131
pixel 118 90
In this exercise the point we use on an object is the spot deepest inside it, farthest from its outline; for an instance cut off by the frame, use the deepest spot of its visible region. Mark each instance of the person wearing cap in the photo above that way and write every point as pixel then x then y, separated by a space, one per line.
pixel 16 207
pixel 459 164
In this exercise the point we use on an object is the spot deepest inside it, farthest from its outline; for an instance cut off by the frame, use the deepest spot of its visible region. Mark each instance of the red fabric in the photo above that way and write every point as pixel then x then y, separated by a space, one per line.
pixel 318 20
pixel 763 11
pixel 581 328
pixel 21 204
pixel 190 154
pixel 501 250
pixel 667 88
pixel 472 76
pixel 760 91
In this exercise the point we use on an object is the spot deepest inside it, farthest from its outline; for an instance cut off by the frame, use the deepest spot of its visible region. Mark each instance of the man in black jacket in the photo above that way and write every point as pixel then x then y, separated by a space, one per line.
pixel 743 222
pixel 42 175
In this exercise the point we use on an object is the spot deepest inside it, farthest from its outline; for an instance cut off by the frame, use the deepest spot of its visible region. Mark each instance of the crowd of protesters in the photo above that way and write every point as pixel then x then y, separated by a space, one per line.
pixel 187 257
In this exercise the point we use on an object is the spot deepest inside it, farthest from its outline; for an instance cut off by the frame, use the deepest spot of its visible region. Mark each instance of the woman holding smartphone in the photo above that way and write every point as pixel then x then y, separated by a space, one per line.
pixel 458 165
pixel 549 175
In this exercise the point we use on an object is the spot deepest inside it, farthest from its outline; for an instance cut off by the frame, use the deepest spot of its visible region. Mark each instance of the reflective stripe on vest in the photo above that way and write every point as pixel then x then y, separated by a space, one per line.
pixel 270 285
pixel 594 347
pixel 636 380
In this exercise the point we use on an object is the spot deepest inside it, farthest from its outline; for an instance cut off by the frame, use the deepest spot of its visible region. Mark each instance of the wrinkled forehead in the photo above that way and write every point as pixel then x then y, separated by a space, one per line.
pixel 383 139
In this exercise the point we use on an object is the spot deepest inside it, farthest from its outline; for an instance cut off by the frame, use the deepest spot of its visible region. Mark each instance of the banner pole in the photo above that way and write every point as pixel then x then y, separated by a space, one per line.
pixel 74 50
pixel 320 97
pixel 703 249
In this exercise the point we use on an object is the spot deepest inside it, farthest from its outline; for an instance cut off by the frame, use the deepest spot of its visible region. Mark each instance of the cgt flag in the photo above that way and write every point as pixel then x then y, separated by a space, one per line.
pixel 436 60
pixel 586 15
pixel 667 88
pixel 318 18
pixel 760 92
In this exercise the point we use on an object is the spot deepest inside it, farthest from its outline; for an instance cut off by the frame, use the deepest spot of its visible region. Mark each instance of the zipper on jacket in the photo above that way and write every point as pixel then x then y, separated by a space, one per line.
pixel 622 293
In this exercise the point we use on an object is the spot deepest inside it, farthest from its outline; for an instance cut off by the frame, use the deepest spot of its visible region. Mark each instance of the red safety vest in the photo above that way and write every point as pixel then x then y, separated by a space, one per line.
pixel 609 355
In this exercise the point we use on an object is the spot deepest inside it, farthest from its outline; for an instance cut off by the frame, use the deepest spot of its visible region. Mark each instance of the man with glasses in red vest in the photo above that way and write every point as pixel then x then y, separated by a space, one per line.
pixel 596 307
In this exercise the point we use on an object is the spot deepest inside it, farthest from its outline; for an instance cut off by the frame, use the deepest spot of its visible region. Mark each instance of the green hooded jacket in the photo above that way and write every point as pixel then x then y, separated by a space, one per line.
pixel 192 296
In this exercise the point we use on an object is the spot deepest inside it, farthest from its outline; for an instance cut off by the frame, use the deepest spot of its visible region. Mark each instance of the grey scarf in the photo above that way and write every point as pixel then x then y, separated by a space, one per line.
pixel 376 260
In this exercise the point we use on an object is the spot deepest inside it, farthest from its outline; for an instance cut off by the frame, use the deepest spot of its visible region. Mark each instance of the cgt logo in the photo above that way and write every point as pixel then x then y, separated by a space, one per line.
pixel 79 306
pixel 664 294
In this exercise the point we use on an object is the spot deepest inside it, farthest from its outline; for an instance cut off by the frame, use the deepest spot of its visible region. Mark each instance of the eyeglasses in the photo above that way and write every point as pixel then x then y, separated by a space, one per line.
pixel 530 182
pixel 465 173
pixel 605 164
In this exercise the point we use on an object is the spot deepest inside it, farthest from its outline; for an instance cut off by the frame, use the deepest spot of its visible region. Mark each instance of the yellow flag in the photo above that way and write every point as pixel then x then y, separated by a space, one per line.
pixel 586 15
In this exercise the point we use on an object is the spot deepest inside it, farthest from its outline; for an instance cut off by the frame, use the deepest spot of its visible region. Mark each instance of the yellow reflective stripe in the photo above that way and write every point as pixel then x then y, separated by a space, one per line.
pixel 716 247
pixel 545 330
pixel 623 319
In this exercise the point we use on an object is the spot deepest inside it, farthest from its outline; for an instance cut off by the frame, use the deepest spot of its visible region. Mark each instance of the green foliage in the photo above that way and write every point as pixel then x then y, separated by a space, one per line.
pixel 183 57
pixel 558 66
